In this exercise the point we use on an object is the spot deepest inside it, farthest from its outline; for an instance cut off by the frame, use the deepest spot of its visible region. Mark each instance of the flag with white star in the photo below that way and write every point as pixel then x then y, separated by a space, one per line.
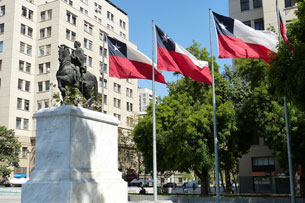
pixel 127 62
pixel 237 40
pixel 173 57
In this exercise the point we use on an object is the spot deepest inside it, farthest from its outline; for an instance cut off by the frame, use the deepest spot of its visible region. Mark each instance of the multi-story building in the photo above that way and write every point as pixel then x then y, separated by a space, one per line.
pixel 259 170
pixel 30 32
pixel 145 97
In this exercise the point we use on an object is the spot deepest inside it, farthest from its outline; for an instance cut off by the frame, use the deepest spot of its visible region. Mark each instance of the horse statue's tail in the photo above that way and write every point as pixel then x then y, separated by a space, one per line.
pixel 95 88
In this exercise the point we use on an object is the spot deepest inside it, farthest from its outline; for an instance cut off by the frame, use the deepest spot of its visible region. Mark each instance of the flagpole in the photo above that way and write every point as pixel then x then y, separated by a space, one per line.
pixel 102 71
pixel 291 178
pixel 214 117
pixel 154 117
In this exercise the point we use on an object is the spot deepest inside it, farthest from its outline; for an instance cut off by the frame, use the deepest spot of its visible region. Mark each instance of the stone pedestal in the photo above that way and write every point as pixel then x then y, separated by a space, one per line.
pixel 76 158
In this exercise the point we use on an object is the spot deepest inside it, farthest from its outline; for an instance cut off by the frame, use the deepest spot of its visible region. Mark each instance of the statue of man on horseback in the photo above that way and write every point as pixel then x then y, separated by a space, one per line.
pixel 78 59
pixel 73 72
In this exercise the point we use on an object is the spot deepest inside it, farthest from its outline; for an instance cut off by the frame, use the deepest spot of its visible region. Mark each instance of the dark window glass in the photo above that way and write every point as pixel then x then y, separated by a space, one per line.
pixel 244 5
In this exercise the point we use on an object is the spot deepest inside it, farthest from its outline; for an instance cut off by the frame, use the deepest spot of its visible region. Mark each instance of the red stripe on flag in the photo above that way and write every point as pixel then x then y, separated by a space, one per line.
pixel 174 61
pixel 232 47
pixel 120 67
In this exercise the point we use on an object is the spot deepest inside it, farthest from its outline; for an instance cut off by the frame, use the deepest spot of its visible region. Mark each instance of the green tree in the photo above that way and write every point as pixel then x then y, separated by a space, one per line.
pixel 262 115
pixel 9 150
pixel 288 70
pixel 184 121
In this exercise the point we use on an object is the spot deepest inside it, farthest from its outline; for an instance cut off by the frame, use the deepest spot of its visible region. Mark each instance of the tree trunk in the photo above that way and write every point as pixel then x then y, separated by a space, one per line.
pixel 222 184
pixel 228 182
pixel 234 179
pixel 299 177
pixel 203 176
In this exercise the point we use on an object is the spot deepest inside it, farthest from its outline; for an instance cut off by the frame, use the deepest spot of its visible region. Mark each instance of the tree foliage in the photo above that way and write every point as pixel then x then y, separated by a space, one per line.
pixel 9 150
pixel 288 71
pixel 184 122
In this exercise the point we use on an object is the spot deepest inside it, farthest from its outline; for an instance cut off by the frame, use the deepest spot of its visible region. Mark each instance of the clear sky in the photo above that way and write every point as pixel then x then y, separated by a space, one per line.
pixel 182 20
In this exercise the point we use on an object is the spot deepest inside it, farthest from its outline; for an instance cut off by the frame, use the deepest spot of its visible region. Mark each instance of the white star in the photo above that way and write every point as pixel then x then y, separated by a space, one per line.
pixel 116 47
pixel 222 26
pixel 165 37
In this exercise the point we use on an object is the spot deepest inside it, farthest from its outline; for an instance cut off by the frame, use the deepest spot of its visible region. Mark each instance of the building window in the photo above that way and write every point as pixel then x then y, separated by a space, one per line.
pixel 27 86
pixel 0 65
pixel 24 152
pixel 122 24
pixel 110 27
pixel 247 23
pixel 26 105
pixel 88 44
pixel 46 103
pixel 128 92
pixel 97 19
pixel 105 99
pixel 40 68
pixel 103 50
pixel 1 28
pixel 88 28
pixel 118 116
pixel 244 5
pixel 1 46
pixel 25 124
pixel 110 15
pixel 44 67
pixel 117 103
pixel 39 105
pixel 117 87
pixel 259 24
pixel 45 32
pixel 47 85
pixel 70 2
pixel 263 164
pixel 130 121
pixel 39 86
pixel 129 106
pixel 2 11
pixel 98 8
pixel 45 50
pixel 257 3
pixel 26 30
pixel 18 123
pixel 22 29
pixel 105 82
pixel 71 18
pixel 46 15
pixel 103 67
pixel 123 35
pixel 25 48
pixel 20 84
pixel 27 13
pixel 289 3
pixel 84 11
pixel 70 35
pixel 19 103
pixel 89 61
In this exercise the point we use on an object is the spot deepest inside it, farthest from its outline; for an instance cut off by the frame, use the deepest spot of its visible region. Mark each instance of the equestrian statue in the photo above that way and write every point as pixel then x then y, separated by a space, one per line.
pixel 73 73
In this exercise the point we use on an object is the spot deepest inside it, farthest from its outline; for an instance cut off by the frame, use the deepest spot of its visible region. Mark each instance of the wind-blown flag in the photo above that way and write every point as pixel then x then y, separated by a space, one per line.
pixel 127 62
pixel 281 23
pixel 173 57
pixel 237 40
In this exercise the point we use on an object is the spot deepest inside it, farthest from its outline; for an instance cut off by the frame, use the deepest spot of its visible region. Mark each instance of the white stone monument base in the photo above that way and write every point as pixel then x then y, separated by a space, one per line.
pixel 76 158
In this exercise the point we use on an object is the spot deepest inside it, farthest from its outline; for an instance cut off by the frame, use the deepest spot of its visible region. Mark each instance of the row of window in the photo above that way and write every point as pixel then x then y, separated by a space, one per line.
pixel 245 4
pixel 22 123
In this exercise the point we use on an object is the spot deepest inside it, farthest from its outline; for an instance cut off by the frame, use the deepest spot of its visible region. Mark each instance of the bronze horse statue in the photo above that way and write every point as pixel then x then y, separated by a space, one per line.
pixel 66 76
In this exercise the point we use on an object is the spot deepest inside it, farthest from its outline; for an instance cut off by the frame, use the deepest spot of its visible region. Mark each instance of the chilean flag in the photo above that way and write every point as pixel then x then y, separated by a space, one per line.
pixel 237 40
pixel 281 23
pixel 127 62
pixel 173 57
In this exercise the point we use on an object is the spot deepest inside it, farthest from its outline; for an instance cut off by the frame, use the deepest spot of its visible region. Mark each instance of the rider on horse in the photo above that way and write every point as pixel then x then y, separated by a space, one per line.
pixel 79 58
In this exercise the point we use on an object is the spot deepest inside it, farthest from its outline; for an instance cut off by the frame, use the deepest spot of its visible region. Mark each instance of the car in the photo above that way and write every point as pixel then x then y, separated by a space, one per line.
pixel 168 185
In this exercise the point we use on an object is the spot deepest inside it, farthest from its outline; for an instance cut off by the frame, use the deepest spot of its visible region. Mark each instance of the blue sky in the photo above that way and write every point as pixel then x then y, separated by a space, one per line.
pixel 182 20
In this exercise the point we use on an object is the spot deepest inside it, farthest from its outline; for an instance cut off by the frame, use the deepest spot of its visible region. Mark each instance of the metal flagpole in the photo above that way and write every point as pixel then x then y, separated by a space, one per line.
pixel 286 122
pixel 102 72
pixel 214 117
pixel 289 153
pixel 154 117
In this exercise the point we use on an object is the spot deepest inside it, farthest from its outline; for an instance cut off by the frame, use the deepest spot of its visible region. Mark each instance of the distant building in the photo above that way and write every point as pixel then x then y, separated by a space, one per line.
pixel 145 97
pixel 259 170
pixel 30 31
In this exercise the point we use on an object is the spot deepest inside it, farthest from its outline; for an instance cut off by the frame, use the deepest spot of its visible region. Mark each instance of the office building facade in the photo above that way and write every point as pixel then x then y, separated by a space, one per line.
pixel 30 33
